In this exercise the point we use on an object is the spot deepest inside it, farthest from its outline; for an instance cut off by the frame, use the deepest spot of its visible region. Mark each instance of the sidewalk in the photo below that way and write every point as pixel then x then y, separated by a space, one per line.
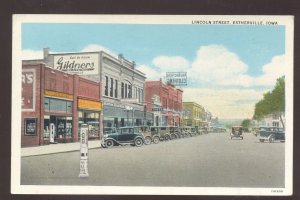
pixel 56 148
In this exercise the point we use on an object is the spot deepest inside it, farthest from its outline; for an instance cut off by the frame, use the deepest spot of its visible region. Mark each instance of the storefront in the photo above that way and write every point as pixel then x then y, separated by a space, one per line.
pixel 55 104
pixel 89 113
pixel 58 114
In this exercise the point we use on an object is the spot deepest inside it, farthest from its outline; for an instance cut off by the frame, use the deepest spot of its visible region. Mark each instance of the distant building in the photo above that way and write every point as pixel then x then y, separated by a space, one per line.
pixel 193 114
pixel 165 101
pixel 272 120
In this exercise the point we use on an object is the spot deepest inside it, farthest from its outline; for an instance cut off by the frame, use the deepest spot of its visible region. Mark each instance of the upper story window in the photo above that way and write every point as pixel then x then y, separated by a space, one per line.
pixel 111 93
pixel 106 86
pixel 116 88
pixel 122 90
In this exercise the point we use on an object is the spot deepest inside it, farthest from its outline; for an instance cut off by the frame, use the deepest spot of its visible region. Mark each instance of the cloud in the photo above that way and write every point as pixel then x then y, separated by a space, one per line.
pixel 28 54
pixel 151 74
pixel 167 64
pixel 216 64
pixel 272 71
pixel 96 47
pixel 225 103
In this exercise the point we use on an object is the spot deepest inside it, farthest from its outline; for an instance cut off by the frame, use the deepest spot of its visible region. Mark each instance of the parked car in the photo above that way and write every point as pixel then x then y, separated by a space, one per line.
pixel 123 136
pixel 174 132
pixel 149 135
pixel 236 132
pixel 185 131
pixel 164 133
pixel 271 134
pixel 155 134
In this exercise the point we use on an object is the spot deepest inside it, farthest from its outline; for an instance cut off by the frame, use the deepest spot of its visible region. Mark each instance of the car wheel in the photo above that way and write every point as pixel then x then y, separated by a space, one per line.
pixel 148 140
pixel 271 138
pixel 261 140
pixel 156 140
pixel 109 143
pixel 138 142
pixel 167 137
pixel 173 136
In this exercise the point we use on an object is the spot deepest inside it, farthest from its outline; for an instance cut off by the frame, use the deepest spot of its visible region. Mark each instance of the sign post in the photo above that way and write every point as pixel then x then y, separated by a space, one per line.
pixel 83 151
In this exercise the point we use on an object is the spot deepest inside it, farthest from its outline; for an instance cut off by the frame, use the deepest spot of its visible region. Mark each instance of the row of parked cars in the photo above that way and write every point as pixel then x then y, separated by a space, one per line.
pixel 139 135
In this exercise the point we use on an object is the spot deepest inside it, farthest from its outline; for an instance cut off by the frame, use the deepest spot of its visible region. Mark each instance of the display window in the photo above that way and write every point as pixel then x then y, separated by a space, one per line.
pixel 92 120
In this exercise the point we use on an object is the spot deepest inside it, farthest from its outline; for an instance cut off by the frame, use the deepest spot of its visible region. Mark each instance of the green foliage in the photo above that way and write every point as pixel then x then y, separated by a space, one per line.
pixel 272 102
pixel 246 123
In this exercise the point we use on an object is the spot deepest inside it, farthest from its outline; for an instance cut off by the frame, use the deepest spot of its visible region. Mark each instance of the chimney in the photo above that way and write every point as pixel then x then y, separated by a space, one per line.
pixel 46 53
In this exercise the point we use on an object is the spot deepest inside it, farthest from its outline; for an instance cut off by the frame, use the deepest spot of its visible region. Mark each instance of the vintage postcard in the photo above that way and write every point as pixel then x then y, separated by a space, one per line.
pixel 150 104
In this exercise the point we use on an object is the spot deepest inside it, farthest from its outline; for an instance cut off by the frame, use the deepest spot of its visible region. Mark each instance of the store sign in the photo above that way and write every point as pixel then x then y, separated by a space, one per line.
pixel 82 64
pixel 30 126
pixel 88 104
pixel 50 93
pixel 157 109
pixel 177 78
pixel 28 89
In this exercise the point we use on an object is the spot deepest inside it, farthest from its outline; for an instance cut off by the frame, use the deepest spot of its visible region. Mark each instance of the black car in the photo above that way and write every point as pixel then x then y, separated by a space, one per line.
pixel 236 132
pixel 271 134
pixel 123 136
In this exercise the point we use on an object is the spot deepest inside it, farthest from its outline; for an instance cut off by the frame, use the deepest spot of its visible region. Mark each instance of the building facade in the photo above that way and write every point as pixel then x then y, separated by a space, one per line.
pixel 193 114
pixel 272 120
pixel 165 101
pixel 57 101
pixel 123 86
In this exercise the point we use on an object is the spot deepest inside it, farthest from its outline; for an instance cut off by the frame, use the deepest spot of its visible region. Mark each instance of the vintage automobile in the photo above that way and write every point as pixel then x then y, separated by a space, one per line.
pixel 271 134
pixel 122 136
pixel 237 132
pixel 174 132
pixel 150 135
pixel 185 131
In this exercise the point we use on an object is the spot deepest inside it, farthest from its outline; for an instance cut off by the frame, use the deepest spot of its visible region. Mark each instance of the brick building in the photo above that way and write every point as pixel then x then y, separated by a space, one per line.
pixel 63 101
pixel 165 101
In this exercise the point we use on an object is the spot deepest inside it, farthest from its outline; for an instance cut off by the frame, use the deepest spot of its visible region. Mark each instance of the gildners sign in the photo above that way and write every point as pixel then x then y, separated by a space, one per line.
pixel 82 64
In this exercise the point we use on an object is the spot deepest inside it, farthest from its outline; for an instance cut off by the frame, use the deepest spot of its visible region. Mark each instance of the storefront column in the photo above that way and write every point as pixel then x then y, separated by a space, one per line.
pixel 74 109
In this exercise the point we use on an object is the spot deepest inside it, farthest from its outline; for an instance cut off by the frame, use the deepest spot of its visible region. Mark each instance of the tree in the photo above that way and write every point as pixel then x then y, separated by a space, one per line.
pixel 273 102
pixel 246 124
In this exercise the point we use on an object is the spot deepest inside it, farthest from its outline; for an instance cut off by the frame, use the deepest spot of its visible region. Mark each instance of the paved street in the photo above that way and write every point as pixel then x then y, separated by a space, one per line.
pixel 211 160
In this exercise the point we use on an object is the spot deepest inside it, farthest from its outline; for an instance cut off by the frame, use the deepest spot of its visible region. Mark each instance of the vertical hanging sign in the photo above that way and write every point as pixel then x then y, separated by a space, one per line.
pixel 83 151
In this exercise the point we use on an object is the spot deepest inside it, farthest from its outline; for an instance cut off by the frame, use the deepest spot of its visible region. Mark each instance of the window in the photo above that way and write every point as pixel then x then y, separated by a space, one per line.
pixel 122 90
pixel 106 86
pixel 142 96
pixel 139 95
pixel 111 87
pixel 116 88
pixel 59 105
pixel 129 91
pixel 126 90
pixel 46 104
pixel 136 93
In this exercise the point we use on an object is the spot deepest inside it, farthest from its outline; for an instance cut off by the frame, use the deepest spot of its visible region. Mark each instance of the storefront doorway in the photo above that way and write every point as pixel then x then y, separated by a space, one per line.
pixel 91 118
pixel 62 125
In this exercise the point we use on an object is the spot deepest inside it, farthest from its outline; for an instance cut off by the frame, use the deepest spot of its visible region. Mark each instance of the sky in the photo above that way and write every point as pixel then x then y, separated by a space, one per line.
pixel 228 67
